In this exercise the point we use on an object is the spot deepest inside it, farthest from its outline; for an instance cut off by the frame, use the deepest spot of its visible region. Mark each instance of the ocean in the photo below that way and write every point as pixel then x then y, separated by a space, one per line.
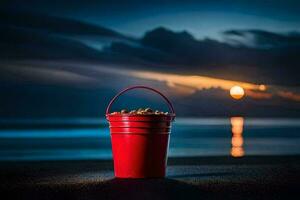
pixel 83 139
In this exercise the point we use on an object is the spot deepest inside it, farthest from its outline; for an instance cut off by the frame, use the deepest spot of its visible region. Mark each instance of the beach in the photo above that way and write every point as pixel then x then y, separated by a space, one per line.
pixel 215 177
pixel 204 92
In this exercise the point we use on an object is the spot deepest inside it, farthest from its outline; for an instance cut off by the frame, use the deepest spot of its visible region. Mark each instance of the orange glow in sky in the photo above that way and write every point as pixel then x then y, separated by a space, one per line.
pixel 190 84
pixel 193 83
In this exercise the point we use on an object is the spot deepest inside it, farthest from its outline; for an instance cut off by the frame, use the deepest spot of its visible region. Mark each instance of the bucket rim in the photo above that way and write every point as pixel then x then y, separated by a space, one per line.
pixel 140 133
pixel 137 117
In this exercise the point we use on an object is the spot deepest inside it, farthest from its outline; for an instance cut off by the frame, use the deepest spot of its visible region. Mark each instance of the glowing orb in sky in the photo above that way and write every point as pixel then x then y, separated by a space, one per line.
pixel 262 87
pixel 237 92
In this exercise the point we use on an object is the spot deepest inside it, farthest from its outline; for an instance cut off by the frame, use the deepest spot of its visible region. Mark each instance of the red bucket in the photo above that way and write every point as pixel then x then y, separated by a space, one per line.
pixel 140 142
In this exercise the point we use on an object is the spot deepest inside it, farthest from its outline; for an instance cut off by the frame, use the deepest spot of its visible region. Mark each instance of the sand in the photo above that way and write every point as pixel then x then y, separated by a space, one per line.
pixel 252 177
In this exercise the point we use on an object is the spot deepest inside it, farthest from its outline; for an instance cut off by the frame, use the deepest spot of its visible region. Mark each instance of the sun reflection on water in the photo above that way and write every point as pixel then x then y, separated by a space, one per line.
pixel 237 141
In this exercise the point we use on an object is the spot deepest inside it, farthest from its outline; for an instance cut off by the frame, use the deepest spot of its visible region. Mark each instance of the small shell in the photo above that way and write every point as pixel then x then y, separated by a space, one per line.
pixel 139 113
pixel 157 112
pixel 149 110
pixel 124 111
pixel 144 112
pixel 132 112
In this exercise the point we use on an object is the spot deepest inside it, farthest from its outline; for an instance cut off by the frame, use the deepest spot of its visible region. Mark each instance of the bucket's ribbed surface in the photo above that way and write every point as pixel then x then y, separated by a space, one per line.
pixel 140 144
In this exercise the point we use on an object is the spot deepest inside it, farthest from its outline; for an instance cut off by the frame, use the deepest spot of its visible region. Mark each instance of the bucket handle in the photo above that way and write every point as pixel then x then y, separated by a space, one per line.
pixel 142 87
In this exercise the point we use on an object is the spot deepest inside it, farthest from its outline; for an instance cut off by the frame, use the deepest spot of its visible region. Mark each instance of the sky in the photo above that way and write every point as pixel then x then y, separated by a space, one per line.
pixel 56 55
pixel 136 17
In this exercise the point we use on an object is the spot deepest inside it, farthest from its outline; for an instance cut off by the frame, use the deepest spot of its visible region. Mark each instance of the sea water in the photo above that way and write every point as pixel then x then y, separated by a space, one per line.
pixel 78 139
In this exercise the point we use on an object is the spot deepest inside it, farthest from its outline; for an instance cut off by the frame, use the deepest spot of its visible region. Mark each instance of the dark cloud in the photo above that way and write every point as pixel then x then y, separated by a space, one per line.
pixel 35 36
pixel 265 39
pixel 46 38
pixel 28 36
pixel 274 65
pixel 24 44
pixel 54 25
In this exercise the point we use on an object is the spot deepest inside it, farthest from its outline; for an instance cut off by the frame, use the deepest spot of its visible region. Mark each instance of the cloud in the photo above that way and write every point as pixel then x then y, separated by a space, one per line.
pixel 48 75
pixel 90 85
pixel 25 44
pixel 37 36
pixel 262 39
pixel 54 25
pixel 31 36
pixel 258 95
pixel 197 82
pixel 189 85
pixel 192 84
pixel 180 51
pixel 289 95
pixel 99 75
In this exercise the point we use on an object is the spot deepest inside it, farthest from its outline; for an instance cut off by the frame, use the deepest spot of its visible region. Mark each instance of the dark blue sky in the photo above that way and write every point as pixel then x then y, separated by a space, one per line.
pixel 201 18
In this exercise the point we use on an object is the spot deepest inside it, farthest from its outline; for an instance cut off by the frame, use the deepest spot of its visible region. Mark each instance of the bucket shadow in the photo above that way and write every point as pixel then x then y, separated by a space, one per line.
pixel 141 189
pixel 133 189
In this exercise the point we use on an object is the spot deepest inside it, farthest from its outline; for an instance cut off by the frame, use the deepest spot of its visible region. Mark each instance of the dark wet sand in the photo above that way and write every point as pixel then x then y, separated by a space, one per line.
pixel 253 177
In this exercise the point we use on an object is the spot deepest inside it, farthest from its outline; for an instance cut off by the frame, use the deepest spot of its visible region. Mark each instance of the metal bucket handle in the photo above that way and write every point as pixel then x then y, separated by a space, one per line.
pixel 142 87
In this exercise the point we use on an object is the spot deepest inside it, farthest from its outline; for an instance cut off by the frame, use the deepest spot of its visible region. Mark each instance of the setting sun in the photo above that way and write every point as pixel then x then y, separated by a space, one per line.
pixel 237 92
